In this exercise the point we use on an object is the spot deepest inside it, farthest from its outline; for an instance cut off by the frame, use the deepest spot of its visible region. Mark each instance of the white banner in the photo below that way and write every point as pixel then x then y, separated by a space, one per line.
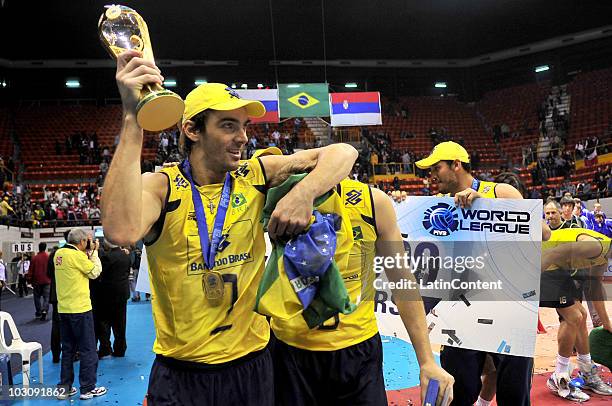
pixel 22 247
pixel 502 235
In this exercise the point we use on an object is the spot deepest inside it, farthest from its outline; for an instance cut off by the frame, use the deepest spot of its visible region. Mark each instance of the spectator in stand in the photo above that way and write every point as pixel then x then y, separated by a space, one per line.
pixel 602 182
pixel 38 275
pixel 5 208
pixel 276 138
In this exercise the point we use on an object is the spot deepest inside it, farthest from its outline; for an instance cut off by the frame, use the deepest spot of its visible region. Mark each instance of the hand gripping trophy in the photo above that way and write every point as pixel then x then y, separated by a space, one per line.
pixel 121 29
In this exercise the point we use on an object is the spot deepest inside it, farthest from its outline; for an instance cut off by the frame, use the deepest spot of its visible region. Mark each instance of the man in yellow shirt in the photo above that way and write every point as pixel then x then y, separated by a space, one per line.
pixel 5 207
pixel 75 264
pixel 450 169
pixel 205 242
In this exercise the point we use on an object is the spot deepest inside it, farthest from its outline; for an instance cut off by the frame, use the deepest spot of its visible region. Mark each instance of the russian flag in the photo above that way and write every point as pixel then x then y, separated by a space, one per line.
pixel 348 109
pixel 269 98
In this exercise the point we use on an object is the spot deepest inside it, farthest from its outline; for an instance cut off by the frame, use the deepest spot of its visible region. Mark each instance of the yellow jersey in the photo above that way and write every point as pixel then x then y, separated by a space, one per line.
pixel 343 331
pixel 71 282
pixel 187 326
pixel 565 235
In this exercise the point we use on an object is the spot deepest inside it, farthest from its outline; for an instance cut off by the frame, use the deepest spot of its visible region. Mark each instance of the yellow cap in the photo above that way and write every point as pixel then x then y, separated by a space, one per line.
pixel 217 96
pixel 444 151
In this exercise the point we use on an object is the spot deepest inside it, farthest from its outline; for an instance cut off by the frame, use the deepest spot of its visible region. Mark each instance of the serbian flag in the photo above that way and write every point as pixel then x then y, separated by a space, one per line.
pixel 269 98
pixel 362 108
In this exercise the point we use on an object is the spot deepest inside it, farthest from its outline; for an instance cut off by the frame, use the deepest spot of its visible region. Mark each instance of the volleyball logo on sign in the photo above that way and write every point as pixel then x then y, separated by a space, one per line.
pixel 441 220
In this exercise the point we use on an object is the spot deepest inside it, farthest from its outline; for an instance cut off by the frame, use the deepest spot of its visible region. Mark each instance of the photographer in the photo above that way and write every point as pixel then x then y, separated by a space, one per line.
pixel 75 264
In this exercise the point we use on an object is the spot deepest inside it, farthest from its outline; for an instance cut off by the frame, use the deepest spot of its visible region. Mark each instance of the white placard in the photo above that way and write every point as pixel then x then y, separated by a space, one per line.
pixel 497 322
pixel 22 247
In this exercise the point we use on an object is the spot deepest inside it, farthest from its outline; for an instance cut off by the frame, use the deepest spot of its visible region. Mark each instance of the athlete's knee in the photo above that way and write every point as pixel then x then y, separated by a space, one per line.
pixel 572 316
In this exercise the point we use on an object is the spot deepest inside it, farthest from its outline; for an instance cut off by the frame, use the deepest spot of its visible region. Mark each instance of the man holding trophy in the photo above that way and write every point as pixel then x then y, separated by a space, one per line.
pixel 211 347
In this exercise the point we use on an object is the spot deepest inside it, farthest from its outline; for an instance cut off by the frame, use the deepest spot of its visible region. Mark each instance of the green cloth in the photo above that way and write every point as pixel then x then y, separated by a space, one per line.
pixel 303 100
pixel 600 342
pixel 331 297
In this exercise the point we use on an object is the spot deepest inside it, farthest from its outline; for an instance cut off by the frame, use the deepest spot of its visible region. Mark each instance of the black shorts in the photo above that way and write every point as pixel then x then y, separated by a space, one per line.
pixel 466 366
pixel 350 376
pixel 557 289
pixel 247 381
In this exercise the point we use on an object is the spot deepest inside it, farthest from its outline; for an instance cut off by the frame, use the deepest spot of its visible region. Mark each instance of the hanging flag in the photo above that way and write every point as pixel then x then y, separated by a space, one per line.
pixel 304 100
pixel 360 108
pixel 269 98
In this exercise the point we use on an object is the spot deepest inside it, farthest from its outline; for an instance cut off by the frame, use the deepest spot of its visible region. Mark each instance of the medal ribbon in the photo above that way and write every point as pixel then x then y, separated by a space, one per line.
pixel 475 184
pixel 209 247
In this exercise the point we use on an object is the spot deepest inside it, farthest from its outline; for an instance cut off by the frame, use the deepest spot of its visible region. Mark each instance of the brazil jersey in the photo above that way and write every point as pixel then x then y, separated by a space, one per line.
pixel 187 326
pixel 566 235
pixel 343 331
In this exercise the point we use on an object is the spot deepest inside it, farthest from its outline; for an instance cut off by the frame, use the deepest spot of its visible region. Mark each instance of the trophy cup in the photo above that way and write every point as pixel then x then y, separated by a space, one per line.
pixel 121 29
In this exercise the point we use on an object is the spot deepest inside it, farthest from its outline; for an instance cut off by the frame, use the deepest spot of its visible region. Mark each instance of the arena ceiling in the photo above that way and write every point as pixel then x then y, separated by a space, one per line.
pixel 242 30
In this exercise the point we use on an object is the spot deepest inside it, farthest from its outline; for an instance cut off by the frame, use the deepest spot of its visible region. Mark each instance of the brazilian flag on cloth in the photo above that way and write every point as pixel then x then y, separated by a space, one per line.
pixel 303 100
pixel 282 294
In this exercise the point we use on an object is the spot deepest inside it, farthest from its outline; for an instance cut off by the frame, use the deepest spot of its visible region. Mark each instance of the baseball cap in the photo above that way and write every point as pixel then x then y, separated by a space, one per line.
pixel 444 151
pixel 217 96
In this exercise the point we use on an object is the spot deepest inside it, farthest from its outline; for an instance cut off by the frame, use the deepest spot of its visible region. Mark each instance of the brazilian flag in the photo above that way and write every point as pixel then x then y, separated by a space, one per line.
pixel 303 100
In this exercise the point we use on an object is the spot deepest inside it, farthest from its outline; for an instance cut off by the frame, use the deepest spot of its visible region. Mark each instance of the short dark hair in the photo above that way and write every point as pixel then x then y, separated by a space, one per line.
pixel 512 179
pixel 42 246
pixel 464 165
pixel 567 200
pixel 199 124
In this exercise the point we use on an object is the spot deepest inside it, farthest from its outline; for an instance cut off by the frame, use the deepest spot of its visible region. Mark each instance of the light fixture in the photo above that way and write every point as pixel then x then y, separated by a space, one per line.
pixel 260 86
pixel 73 83
pixel 199 82
pixel 351 85
pixel 244 86
pixel 293 86
pixel 440 85
pixel 4 83
pixel 170 83
pixel 233 85
pixel 542 68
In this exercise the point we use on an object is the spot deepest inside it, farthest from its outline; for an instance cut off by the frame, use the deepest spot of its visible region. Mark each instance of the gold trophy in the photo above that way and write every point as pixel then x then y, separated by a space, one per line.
pixel 121 29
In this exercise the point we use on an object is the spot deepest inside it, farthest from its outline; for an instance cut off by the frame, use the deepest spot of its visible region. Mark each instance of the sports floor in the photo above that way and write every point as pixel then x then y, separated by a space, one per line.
pixel 126 378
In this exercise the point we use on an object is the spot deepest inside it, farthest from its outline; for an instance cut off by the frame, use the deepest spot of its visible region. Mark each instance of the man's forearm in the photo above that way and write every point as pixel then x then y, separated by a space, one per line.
pixel 334 163
pixel 410 306
pixel 121 201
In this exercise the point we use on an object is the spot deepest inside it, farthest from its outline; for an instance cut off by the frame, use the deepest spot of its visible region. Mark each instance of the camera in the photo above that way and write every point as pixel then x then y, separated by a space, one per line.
pixel 88 247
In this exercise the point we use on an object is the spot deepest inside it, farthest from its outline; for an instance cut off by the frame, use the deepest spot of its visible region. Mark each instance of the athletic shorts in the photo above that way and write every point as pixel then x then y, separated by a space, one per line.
pixel 466 366
pixel 247 381
pixel 557 289
pixel 351 376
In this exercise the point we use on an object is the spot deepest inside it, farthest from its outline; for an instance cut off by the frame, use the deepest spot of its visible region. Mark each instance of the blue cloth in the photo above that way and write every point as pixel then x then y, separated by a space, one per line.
pixel 309 255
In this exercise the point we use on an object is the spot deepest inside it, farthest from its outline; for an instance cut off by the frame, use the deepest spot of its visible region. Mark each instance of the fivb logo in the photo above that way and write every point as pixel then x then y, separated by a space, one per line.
pixel 441 220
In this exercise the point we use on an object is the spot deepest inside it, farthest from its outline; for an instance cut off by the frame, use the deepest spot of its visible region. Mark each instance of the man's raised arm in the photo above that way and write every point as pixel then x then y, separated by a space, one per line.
pixel 131 202
pixel 327 165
